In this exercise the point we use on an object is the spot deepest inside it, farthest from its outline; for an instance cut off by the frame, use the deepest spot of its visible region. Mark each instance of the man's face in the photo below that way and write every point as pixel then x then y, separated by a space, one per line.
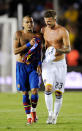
pixel 50 22
pixel 28 24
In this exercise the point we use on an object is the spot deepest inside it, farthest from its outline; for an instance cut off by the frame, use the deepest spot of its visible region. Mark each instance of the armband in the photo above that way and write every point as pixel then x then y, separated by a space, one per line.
pixel 28 44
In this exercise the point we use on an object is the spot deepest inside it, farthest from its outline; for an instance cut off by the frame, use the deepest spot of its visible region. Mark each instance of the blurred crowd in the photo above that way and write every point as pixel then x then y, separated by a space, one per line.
pixel 34 8
pixel 69 15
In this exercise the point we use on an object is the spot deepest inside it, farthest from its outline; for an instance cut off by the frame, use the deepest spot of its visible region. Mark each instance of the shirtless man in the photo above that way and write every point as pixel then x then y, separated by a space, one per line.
pixel 54 67
pixel 27 48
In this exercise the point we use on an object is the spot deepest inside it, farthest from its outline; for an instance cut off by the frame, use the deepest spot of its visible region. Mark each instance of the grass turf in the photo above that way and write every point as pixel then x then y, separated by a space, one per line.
pixel 13 118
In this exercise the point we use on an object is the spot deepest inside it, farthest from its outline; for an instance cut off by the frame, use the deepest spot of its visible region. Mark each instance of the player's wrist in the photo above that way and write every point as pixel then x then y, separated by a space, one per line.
pixel 60 51
pixel 28 44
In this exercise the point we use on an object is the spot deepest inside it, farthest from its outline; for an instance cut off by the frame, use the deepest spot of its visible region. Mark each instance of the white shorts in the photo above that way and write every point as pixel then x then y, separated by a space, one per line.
pixel 54 73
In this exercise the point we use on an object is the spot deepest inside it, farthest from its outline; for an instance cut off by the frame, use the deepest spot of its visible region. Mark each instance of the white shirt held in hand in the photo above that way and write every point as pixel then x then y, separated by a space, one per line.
pixel 50 54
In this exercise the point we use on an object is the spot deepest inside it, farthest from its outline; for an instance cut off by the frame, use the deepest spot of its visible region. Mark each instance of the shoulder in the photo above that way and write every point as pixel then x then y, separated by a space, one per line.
pixel 63 29
pixel 18 33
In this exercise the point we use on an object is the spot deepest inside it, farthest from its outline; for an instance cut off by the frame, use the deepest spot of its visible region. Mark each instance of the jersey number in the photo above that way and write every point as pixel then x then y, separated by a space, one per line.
pixel 58 85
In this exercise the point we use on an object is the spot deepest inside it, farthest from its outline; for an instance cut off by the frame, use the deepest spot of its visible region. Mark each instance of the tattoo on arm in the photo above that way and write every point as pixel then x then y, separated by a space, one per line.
pixel 64 50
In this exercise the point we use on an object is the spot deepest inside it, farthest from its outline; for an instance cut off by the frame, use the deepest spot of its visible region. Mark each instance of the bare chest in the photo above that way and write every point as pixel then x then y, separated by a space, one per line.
pixel 24 38
pixel 53 37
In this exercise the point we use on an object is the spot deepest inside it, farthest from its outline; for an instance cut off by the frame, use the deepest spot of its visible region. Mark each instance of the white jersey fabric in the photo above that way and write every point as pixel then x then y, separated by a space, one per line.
pixel 54 73
pixel 50 54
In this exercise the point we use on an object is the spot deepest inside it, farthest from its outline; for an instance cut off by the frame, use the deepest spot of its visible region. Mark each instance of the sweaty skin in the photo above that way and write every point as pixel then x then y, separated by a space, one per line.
pixel 57 36
pixel 22 37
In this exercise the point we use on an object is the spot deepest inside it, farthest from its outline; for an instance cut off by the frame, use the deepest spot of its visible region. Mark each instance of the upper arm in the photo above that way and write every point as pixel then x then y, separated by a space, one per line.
pixel 16 41
pixel 66 39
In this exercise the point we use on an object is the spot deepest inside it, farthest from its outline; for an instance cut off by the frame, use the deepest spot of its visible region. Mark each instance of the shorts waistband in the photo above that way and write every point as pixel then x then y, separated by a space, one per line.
pixel 60 61
pixel 28 63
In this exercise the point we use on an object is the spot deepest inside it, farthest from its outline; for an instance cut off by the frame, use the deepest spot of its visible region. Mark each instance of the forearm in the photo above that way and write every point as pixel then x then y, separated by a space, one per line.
pixel 22 48
pixel 19 49
pixel 63 50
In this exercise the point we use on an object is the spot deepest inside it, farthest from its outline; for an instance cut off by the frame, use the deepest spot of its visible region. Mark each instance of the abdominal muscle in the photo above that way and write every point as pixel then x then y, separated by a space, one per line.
pixel 19 58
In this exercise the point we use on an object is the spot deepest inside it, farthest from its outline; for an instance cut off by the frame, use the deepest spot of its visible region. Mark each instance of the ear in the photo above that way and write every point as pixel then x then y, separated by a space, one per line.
pixel 55 18
pixel 22 27
pixel 33 24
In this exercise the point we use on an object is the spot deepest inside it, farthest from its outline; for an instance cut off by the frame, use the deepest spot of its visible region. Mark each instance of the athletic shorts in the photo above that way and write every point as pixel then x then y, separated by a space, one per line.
pixel 26 77
pixel 54 74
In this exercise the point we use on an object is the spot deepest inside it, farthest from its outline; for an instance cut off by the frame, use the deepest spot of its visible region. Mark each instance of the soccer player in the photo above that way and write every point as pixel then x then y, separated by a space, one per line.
pixel 54 66
pixel 27 48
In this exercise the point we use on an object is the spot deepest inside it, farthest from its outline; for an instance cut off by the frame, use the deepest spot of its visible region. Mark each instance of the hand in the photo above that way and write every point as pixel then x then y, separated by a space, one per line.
pixel 37 40
pixel 39 71
pixel 32 42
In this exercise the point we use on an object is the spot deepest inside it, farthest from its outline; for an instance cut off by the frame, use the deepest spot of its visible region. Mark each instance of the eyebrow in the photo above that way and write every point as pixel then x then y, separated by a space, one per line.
pixel 29 21
pixel 48 20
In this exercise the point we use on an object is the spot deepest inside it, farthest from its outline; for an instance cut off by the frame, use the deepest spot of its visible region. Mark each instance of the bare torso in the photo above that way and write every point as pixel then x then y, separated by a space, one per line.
pixel 53 37
pixel 23 38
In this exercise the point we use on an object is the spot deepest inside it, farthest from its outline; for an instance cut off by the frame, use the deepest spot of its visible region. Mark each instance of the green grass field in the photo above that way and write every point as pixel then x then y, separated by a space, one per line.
pixel 13 118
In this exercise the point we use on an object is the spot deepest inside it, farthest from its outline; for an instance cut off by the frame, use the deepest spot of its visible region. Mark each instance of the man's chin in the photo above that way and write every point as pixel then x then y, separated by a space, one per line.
pixel 50 26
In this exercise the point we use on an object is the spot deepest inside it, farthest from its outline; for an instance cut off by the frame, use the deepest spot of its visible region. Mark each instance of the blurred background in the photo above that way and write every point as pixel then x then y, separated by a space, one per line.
pixel 69 15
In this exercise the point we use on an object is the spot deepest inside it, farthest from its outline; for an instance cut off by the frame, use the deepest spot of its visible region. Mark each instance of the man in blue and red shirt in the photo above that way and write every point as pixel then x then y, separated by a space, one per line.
pixel 27 48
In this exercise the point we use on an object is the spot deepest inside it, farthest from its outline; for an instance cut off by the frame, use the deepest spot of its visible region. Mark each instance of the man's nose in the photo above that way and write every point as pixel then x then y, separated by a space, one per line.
pixel 29 23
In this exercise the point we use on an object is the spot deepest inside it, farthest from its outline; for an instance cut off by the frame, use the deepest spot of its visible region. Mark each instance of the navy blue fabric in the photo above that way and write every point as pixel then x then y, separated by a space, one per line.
pixel 26 77
pixel 34 97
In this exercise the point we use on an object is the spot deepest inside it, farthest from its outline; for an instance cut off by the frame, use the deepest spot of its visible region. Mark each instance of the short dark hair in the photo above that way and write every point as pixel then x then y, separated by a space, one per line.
pixel 50 13
pixel 27 16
